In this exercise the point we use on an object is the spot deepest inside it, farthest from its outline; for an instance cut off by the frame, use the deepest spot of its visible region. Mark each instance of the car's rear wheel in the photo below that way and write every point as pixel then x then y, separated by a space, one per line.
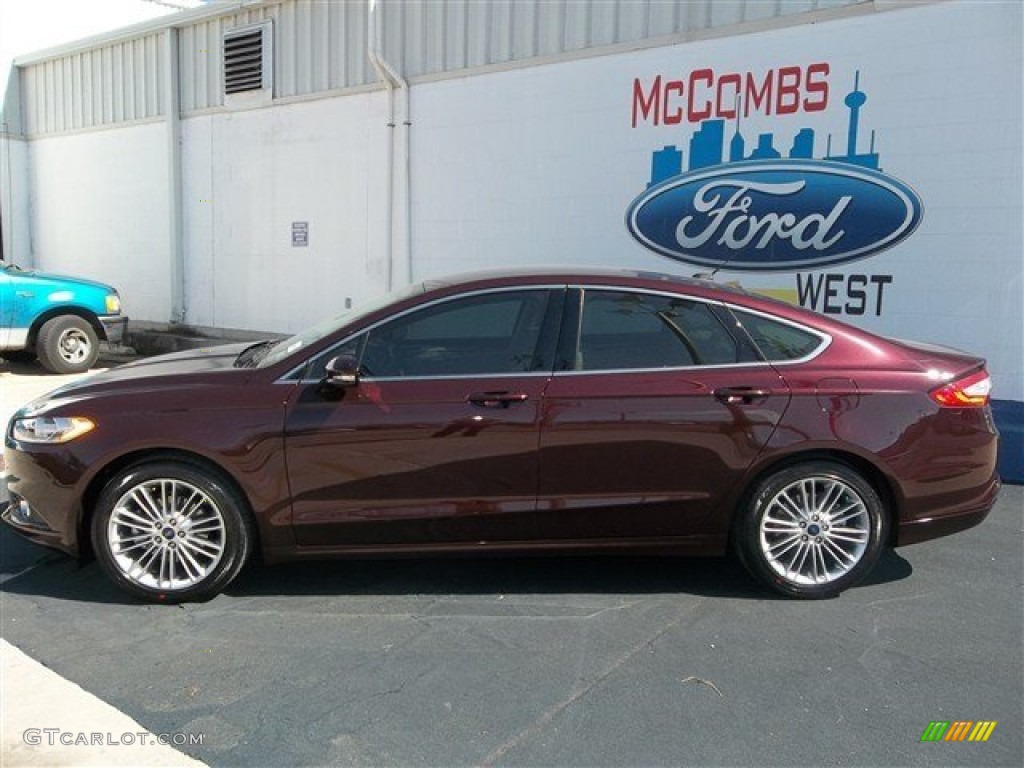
pixel 812 530
pixel 67 344
pixel 170 532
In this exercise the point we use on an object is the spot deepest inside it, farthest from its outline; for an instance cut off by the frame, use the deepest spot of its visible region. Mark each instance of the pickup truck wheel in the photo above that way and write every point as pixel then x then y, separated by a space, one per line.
pixel 67 344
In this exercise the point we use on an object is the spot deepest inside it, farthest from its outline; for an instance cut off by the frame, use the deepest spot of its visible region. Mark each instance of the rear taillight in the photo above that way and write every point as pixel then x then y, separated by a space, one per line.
pixel 971 391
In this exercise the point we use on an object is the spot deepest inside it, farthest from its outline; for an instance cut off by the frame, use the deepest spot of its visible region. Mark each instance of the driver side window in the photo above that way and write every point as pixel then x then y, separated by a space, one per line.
pixel 490 333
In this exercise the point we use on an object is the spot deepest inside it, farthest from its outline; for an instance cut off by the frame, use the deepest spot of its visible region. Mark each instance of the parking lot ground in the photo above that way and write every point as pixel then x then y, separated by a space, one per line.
pixel 550 662
pixel 81 722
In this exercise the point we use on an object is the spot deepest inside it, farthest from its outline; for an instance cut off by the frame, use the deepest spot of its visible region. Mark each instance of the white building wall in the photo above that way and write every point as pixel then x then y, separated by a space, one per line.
pixel 248 176
pixel 106 216
pixel 528 167
pixel 73 101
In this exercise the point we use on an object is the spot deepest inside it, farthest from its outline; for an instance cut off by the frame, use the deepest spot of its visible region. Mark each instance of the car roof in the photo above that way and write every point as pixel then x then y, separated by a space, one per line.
pixel 575 274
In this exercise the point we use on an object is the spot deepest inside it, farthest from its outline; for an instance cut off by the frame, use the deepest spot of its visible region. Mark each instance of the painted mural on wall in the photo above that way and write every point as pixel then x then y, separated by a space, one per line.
pixel 770 202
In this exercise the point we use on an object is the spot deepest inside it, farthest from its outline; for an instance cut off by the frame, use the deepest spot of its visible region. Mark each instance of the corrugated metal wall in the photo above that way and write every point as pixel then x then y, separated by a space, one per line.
pixel 320 46
pixel 434 37
pixel 108 85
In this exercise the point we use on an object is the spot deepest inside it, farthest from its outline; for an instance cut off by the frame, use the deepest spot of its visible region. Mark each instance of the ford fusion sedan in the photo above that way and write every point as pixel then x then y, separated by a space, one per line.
pixel 578 411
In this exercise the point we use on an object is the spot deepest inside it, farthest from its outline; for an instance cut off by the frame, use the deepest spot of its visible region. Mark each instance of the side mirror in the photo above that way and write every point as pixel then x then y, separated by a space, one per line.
pixel 342 372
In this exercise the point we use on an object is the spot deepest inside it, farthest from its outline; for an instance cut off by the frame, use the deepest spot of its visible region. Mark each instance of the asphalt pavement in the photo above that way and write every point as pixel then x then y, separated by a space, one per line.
pixel 541 662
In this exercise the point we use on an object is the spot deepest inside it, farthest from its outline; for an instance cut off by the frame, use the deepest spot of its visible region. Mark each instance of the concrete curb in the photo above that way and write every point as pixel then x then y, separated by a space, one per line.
pixel 47 720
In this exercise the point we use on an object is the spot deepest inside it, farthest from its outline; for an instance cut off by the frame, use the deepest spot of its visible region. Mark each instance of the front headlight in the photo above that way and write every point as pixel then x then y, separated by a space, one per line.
pixel 113 304
pixel 50 429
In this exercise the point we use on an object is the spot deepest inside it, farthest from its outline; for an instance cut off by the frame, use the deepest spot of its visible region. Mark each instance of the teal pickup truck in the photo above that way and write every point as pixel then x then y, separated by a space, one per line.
pixel 59 320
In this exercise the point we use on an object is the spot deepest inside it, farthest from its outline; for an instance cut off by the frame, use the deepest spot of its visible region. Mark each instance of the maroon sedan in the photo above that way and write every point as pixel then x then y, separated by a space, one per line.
pixel 593 411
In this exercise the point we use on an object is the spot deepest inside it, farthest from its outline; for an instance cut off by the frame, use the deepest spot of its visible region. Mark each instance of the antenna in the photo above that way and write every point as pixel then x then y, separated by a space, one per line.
pixel 711 275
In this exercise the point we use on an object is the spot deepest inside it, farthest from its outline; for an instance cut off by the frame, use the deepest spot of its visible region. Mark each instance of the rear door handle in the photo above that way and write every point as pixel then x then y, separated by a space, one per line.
pixel 502 399
pixel 741 395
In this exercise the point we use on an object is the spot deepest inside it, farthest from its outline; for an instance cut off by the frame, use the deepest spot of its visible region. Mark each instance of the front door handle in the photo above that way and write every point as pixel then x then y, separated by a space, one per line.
pixel 502 399
pixel 741 395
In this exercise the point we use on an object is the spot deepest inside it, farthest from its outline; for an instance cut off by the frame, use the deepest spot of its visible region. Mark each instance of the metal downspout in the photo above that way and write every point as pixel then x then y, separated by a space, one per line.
pixel 172 110
pixel 6 205
pixel 407 180
pixel 392 79
pixel 11 126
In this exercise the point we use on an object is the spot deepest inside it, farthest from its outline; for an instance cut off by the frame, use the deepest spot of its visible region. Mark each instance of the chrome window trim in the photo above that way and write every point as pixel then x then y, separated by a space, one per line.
pixel 666 369
pixel 826 339
pixel 285 378
pixel 448 377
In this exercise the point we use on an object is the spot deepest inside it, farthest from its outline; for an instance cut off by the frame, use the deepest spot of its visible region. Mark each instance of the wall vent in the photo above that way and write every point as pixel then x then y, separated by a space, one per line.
pixel 247 64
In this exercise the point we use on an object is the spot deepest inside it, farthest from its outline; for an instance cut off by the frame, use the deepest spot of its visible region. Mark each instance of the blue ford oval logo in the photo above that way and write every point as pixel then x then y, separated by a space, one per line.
pixel 766 215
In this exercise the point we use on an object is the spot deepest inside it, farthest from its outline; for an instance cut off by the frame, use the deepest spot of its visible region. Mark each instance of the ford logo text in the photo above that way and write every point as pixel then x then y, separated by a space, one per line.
pixel 774 215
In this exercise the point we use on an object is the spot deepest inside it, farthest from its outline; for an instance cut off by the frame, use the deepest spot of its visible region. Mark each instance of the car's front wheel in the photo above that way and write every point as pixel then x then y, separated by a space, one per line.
pixel 811 530
pixel 67 344
pixel 171 532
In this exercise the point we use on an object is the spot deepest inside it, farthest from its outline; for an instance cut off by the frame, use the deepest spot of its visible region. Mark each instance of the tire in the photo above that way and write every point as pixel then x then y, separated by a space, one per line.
pixel 67 344
pixel 811 530
pixel 171 532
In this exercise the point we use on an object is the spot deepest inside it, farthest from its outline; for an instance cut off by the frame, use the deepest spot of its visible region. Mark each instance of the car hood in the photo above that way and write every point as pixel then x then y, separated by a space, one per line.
pixel 169 371
pixel 203 359
pixel 53 280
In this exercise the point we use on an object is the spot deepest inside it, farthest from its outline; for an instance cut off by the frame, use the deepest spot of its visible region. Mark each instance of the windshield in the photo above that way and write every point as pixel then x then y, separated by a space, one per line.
pixel 282 349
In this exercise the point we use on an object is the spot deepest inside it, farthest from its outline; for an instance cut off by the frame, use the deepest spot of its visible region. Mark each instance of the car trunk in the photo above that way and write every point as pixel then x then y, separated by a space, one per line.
pixel 945 360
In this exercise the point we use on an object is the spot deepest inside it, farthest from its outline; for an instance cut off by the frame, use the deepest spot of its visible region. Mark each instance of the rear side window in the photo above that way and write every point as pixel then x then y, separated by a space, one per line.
pixel 623 330
pixel 779 341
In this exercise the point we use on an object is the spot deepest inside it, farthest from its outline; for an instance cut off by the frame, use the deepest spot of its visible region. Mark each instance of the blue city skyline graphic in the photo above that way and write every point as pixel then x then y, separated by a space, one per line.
pixel 707 145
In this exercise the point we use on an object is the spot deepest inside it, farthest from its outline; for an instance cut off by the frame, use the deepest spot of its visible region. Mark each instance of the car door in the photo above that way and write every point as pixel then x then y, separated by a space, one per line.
pixel 437 443
pixel 658 410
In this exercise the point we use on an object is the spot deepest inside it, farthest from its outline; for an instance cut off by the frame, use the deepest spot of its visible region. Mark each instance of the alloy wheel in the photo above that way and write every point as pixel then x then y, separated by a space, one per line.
pixel 166 534
pixel 814 530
